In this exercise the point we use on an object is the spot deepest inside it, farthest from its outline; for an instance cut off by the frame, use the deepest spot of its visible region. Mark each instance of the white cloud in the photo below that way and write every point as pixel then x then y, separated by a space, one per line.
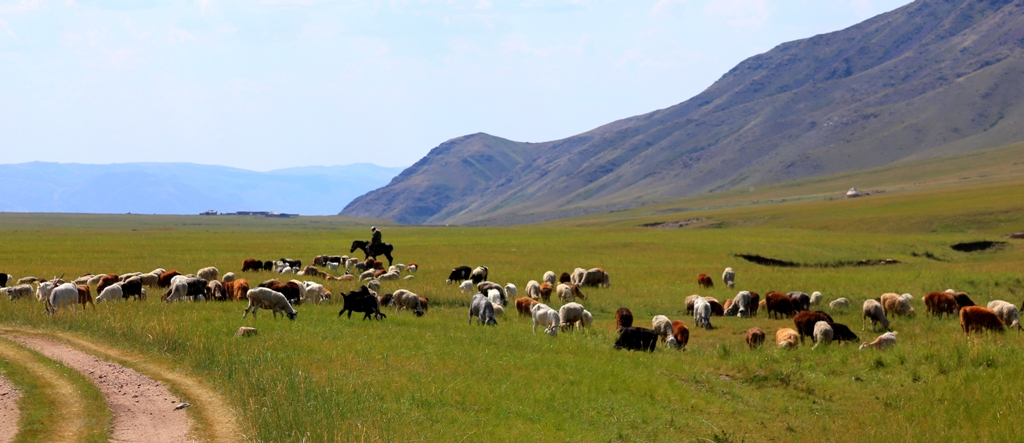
pixel 22 7
pixel 6 28
pixel 664 6
pixel 518 43
pixel 739 13
pixel 176 35
pixel 483 4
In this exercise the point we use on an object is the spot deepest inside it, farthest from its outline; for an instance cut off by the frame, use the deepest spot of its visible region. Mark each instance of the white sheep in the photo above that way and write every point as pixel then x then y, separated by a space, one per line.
pixel 822 333
pixel 740 305
pixel 510 290
pixel 494 296
pixel 315 291
pixel 883 341
pixel 179 289
pixel 1006 312
pixel 209 273
pixel 266 298
pixel 400 267
pixel 151 279
pixel 44 290
pixel 63 295
pixel 841 303
pixel 409 277
pixel 367 275
pixel 499 311
pixel 570 313
pixel 466 287
pixel 545 316
pixel 577 276
pixel 111 293
pixel 158 271
pixel 729 277
pixel 895 304
pixel 333 265
pixel 95 280
pixel 873 311
pixel 83 280
pixel 565 292
pixel 662 326
pixel 413 267
pixel 549 277
pixel 701 313
pixel 815 298
pixel 229 277
pixel 533 289
pixel 351 263
pixel 389 276
pixel 405 299
pixel 374 285
pixel 587 319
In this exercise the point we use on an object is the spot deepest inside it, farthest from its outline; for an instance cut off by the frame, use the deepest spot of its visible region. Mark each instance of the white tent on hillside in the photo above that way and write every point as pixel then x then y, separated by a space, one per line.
pixel 853 192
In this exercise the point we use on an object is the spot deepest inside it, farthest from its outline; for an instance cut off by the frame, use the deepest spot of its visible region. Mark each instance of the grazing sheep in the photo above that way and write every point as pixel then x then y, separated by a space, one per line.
pixel 787 338
pixel 637 339
pixel 485 286
pixel 236 289
pixel 208 273
pixel 374 285
pixel 230 276
pixel 466 287
pixel 689 303
pixel 510 290
pixel 499 311
pixel 564 278
pixel 800 300
pixel 107 280
pixel 680 336
pixel 577 276
pixel 839 304
pixel 27 280
pixel 413 267
pixel 755 337
pixel 822 333
pixel 533 289
pixel 938 303
pixel 389 276
pixel 545 292
pixel 1006 312
pixel 425 302
pixel 701 313
pixel 587 320
pixel 716 308
pixel 873 311
pixel 215 291
pixel 962 300
pixel 544 316
pixel 566 292
pixel 315 292
pixel 549 277
pixel 367 275
pixel 662 326
pixel 595 277
pixel 815 298
pixel 81 280
pixel 726 305
pixel 977 318
pixel 705 281
pixel 778 303
pixel 404 299
pixel 483 310
pixel 479 274
pixel 755 303
pixel 895 304
pixel 729 277
pixel 266 298
pixel 806 320
pixel 623 318
pixel 63 295
pixel 85 296
pixel 111 293
pixel 16 292
pixel 841 333
pixel 494 296
pixel 740 305
pixel 524 305
pixel 883 341
pixel 570 313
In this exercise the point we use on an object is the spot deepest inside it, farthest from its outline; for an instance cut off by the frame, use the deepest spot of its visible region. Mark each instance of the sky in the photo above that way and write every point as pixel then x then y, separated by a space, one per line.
pixel 268 84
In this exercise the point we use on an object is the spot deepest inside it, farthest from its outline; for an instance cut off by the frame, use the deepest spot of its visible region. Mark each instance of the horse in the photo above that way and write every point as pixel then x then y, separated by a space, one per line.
pixel 380 249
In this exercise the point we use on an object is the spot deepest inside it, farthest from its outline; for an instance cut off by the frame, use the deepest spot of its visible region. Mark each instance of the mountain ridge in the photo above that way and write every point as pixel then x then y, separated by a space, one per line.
pixel 931 78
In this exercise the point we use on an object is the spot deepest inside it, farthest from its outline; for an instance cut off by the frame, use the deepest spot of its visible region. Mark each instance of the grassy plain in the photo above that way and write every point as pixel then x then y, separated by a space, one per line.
pixel 436 378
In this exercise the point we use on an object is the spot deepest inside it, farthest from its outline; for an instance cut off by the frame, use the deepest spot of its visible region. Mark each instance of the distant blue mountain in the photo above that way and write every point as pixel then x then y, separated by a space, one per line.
pixel 184 188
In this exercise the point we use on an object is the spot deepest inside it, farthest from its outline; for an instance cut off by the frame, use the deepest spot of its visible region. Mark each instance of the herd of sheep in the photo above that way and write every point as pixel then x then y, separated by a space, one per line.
pixel 489 299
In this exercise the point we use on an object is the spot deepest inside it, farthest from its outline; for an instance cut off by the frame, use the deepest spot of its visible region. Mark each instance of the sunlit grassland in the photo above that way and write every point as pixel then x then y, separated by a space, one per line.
pixel 437 378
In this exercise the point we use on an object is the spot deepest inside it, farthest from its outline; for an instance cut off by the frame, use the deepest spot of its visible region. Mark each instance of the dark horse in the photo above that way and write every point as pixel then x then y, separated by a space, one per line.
pixel 381 249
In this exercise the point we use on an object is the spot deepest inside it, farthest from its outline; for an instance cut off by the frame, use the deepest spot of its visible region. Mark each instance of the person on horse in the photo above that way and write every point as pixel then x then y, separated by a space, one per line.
pixel 376 240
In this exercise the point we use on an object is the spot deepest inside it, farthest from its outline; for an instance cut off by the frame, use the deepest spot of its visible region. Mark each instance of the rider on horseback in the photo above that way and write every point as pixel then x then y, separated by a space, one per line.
pixel 376 237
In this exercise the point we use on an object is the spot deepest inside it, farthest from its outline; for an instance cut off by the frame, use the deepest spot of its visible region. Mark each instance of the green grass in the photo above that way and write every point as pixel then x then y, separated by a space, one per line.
pixel 438 378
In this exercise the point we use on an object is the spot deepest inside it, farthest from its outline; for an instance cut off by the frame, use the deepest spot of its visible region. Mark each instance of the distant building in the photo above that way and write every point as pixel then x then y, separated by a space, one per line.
pixel 853 193
pixel 210 212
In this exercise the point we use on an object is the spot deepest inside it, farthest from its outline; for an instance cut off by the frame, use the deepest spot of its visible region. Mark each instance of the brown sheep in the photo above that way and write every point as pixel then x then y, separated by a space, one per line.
pixel 524 306
pixel 565 278
pixel 236 289
pixel 962 300
pixel 251 264
pixel 85 296
pixel 938 303
pixel 778 303
pixel 681 335
pixel 623 318
pixel 425 303
pixel 705 281
pixel 165 279
pixel 894 304
pixel 545 292
pixel 755 303
pixel 689 303
pixel 716 307
pixel 107 280
pixel 755 337
pixel 805 320
pixel 977 318
pixel 728 304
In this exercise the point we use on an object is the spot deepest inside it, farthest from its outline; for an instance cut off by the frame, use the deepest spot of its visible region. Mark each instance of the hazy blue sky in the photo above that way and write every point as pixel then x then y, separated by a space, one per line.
pixel 278 83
